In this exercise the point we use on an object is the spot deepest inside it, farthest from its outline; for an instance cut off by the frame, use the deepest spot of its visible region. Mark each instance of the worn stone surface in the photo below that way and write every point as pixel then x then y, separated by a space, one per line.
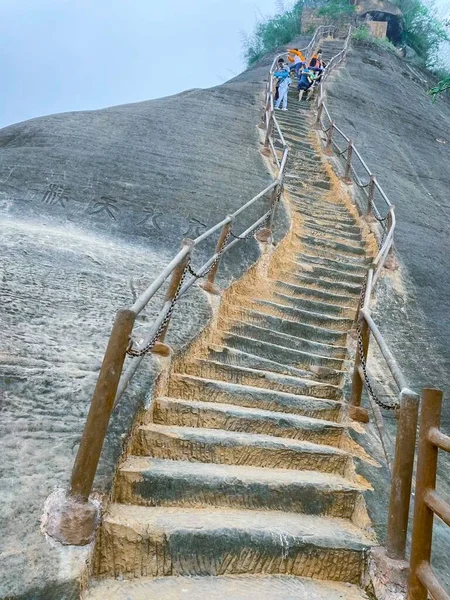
pixel 152 482
pixel 140 542
pixel 404 139
pixel 92 206
pixel 217 588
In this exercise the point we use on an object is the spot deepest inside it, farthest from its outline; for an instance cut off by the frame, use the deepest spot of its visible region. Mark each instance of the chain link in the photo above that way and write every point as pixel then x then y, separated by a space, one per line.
pixel 215 261
pixel 255 231
pixel 395 405
pixel 376 213
pixel 161 328
pixel 362 359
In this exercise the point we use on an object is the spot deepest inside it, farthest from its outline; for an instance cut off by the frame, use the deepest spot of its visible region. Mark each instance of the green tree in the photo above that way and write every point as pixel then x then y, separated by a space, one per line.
pixel 270 33
pixel 422 31
pixel 336 9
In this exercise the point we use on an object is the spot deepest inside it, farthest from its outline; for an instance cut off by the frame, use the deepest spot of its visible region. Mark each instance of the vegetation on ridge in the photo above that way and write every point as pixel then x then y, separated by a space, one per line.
pixel 272 32
pixel 422 30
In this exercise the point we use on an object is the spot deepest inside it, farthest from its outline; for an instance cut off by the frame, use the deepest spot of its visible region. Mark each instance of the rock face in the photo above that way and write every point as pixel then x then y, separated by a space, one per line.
pixel 382 105
pixel 93 205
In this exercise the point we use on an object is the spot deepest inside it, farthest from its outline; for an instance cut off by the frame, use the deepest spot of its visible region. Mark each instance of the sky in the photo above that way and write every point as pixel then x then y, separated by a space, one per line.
pixel 64 55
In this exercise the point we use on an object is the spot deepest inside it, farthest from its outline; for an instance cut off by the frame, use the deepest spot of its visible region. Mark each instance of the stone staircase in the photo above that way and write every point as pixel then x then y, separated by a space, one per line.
pixel 240 483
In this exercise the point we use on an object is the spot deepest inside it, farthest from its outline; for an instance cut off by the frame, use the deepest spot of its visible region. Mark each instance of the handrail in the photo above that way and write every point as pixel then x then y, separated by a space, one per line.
pixel 114 378
pixel 422 579
pixel 408 401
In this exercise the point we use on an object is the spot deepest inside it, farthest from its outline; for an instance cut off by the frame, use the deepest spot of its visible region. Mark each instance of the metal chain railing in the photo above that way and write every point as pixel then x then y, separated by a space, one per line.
pixel 252 233
pixel 395 404
pixel 148 347
pixel 208 270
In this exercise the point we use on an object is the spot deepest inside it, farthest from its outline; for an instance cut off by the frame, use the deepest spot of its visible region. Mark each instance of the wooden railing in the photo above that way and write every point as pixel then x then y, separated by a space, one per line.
pixel 427 503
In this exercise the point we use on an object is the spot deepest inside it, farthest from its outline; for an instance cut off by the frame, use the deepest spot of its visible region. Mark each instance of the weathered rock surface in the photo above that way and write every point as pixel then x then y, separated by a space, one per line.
pixel 92 206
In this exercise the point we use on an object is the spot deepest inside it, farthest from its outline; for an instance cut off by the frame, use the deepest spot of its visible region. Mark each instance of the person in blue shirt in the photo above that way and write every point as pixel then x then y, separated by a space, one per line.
pixel 305 81
pixel 283 88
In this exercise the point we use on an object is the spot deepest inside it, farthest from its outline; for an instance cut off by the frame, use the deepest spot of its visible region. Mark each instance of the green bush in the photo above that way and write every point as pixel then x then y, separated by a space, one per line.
pixel 334 10
pixel 422 31
pixel 362 34
pixel 273 32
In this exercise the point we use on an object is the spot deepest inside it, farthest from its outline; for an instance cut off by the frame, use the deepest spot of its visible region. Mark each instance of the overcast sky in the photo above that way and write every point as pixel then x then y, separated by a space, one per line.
pixel 62 55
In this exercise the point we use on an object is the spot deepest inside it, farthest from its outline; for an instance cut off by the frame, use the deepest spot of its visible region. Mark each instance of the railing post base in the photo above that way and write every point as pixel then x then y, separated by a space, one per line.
pixel 161 349
pixel 211 288
pixel 70 521
pixel 358 413
pixel 266 152
pixel 389 577
pixel 264 235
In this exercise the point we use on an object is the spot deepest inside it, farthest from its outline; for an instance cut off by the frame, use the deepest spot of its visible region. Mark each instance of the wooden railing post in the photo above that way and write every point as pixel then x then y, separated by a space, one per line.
pixel 430 417
pixel 273 205
pixel 177 274
pixel 348 165
pixel 319 111
pixel 269 132
pixel 357 383
pixel 209 285
pixel 405 448
pixel 371 193
pixel 94 433
pixel 329 138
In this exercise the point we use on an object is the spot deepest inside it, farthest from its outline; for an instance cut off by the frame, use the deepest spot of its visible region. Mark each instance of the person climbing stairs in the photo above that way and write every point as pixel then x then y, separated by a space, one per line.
pixel 240 481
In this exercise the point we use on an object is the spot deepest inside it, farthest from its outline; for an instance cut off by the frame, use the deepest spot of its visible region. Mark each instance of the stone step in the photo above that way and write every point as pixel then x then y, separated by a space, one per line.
pixel 314 228
pixel 292 342
pixel 350 291
pixel 198 444
pixel 152 482
pixel 296 157
pixel 238 587
pixel 318 213
pixel 323 216
pixel 312 305
pixel 307 184
pixel 250 587
pixel 336 263
pixel 210 415
pixel 209 369
pixel 321 223
pixel 232 356
pixel 335 269
pixel 300 172
pixel 189 387
pixel 355 252
pixel 324 203
pixel 335 226
pixel 325 233
pixel 141 541
pixel 290 327
pixel 288 356
pixel 334 323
